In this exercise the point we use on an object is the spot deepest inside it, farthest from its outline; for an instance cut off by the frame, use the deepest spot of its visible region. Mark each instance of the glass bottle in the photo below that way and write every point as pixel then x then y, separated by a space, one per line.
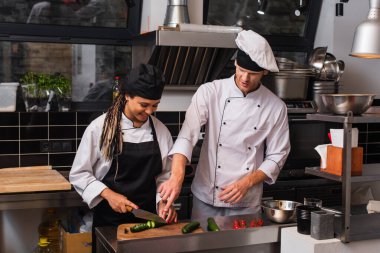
pixel 49 229
pixel 42 246
pixel 116 88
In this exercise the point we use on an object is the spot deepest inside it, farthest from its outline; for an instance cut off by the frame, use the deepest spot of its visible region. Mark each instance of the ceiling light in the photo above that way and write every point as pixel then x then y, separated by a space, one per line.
pixel 367 35
pixel 262 5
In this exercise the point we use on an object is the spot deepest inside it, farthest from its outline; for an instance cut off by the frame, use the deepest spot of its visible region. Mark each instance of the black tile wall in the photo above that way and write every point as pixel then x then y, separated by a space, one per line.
pixel 28 139
pixel 33 132
pixel 9 119
pixel 56 118
pixel 33 119
pixel 168 117
pixel 62 132
pixel 9 133
pixel 34 160
pixel 8 161
pixel 9 147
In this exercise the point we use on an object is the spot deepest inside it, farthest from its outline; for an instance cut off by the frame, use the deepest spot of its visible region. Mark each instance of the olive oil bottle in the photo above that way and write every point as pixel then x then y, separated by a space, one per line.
pixel 49 229
pixel 42 246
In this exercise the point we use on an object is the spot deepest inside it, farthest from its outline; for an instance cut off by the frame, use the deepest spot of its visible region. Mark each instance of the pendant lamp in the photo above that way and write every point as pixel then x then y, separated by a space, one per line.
pixel 367 35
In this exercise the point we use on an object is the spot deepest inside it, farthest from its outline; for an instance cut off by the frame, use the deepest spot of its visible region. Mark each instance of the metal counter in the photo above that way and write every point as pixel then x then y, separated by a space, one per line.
pixel 259 239
pixel 11 201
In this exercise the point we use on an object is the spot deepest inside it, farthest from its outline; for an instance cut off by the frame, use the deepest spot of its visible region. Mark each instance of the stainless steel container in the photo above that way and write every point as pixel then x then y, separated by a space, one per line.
pixel 176 13
pixel 323 87
pixel 288 87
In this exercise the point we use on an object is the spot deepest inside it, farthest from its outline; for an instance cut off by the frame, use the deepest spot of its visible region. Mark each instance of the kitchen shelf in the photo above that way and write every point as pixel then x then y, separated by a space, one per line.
pixel 316 171
pixel 352 227
pixel 364 118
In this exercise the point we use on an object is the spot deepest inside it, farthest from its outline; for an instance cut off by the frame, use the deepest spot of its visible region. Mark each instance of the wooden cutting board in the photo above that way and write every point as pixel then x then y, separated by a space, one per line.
pixel 167 230
pixel 32 179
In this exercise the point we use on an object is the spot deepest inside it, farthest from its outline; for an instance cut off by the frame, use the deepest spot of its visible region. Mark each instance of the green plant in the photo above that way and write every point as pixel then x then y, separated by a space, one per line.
pixel 62 85
pixel 39 84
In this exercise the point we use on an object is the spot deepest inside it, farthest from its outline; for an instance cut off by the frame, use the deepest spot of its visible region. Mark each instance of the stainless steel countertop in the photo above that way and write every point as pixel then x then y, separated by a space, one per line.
pixel 226 238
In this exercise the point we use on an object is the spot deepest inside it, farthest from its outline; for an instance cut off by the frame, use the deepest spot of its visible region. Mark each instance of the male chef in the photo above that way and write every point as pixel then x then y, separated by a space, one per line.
pixel 246 139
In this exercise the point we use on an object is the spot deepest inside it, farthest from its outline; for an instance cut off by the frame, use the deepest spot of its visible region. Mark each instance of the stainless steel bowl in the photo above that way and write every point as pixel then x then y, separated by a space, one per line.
pixel 343 103
pixel 280 211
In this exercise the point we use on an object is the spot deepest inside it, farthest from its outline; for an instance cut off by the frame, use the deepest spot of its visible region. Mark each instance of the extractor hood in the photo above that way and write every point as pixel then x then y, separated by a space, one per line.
pixel 187 59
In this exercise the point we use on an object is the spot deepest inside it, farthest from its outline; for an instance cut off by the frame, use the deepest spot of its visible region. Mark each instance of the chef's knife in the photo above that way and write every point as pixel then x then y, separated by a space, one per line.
pixel 145 215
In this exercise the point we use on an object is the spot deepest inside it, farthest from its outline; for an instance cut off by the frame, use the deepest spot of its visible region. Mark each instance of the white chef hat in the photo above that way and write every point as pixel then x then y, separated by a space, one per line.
pixel 258 50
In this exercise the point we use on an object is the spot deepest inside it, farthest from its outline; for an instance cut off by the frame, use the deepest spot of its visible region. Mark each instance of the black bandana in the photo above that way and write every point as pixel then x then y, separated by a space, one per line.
pixel 244 61
pixel 145 81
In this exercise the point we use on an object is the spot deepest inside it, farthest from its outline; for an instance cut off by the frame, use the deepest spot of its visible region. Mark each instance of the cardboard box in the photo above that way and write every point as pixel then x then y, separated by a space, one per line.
pixel 334 163
pixel 76 243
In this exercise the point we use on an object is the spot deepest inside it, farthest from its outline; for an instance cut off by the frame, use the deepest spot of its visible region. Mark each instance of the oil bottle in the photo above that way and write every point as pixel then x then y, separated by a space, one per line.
pixel 50 229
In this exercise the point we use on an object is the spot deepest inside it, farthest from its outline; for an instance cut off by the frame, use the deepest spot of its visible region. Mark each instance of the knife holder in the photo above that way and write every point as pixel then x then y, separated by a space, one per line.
pixel 322 225
pixel 334 163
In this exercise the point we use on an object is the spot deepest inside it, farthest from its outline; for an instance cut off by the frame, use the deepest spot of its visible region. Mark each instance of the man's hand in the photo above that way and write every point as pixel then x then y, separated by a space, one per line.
pixel 234 192
pixel 170 215
pixel 169 191
pixel 117 201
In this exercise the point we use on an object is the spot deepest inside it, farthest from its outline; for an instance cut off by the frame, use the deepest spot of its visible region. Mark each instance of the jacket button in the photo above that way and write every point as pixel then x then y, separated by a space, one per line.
pixel 224 123
pixel 228 101
pixel 258 105
pixel 249 148
pixel 255 128
pixel 216 187
pixel 247 168
pixel 219 166
pixel 220 144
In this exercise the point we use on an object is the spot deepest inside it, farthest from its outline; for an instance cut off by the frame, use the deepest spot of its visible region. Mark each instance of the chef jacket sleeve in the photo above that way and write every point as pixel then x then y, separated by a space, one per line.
pixel 82 174
pixel 165 142
pixel 196 117
pixel 277 147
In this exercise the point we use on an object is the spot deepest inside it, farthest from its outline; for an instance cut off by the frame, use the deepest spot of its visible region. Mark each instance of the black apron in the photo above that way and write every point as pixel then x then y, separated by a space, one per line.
pixel 133 174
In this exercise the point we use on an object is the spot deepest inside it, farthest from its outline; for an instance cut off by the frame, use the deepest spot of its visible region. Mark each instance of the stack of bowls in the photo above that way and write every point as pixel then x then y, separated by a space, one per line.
pixel 323 87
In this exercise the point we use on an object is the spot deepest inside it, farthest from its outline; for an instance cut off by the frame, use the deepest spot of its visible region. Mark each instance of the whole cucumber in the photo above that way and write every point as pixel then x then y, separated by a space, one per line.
pixel 211 225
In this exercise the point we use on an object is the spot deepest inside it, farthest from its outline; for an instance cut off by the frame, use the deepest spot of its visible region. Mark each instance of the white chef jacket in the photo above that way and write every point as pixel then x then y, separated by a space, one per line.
pixel 90 166
pixel 243 134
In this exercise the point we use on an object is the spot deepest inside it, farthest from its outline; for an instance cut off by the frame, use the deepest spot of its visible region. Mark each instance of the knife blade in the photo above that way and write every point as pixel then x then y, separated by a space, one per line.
pixel 139 213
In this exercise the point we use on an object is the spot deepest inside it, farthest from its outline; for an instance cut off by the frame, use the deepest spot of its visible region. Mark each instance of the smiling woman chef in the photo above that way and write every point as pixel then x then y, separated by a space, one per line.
pixel 246 140
pixel 123 154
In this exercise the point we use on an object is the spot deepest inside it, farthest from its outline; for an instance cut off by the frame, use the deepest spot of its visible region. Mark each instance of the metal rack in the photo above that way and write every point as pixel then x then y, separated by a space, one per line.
pixel 360 225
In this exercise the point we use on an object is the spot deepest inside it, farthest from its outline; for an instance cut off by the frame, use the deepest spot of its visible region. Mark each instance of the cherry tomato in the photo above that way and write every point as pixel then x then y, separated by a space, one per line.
pixel 235 227
pixel 260 222
pixel 253 224
pixel 242 223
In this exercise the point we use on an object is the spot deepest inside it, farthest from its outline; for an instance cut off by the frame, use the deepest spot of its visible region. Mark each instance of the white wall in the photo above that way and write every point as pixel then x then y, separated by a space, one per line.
pixel 361 75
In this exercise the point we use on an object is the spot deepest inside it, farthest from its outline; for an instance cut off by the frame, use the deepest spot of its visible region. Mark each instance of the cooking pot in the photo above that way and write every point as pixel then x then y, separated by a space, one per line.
pixel 289 85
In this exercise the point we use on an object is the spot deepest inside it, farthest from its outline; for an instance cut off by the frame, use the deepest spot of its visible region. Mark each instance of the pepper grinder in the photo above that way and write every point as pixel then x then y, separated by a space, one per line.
pixel 176 13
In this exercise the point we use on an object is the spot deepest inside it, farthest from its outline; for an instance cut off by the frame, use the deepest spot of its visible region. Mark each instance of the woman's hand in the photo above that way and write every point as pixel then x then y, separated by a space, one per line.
pixel 117 201
pixel 170 215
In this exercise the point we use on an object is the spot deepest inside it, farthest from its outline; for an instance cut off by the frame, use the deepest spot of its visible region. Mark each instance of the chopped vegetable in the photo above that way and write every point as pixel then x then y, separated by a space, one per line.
pixel 190 227
pixel 211 225
pixel 139 227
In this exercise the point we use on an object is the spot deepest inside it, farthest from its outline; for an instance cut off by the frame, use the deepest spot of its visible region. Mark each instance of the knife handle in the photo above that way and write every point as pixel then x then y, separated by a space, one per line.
pixel 129 208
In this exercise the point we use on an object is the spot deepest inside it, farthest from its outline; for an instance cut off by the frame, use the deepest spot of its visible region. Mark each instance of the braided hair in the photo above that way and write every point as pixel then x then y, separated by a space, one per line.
pixel 111 140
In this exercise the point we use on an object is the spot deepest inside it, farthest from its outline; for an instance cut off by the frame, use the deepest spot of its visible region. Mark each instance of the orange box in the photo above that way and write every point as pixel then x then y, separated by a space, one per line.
pixel 335 161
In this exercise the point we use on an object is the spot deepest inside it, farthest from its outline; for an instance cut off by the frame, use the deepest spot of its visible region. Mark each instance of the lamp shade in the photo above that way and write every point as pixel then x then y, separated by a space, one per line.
pixel 366 42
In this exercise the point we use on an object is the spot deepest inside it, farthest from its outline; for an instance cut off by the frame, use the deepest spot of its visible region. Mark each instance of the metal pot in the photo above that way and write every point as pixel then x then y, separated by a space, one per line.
pixel 288 87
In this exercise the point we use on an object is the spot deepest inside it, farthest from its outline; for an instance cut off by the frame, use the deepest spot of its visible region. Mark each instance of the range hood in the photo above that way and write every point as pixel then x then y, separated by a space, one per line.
pixel 188 59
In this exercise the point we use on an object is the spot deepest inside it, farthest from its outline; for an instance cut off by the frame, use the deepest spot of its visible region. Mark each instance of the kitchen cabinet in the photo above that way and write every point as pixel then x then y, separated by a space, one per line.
pixel 355 223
